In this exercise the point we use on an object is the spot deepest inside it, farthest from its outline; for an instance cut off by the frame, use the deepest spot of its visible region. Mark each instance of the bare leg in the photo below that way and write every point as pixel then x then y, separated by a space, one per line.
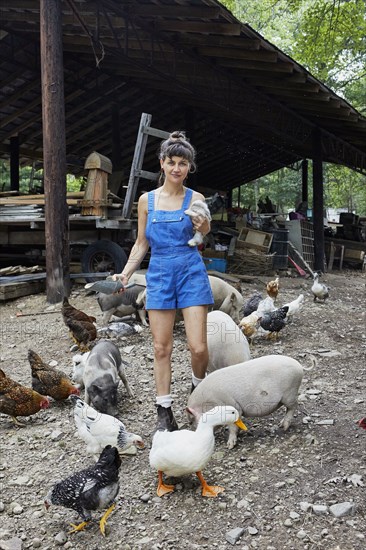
pixel 161 324
pixel 195 321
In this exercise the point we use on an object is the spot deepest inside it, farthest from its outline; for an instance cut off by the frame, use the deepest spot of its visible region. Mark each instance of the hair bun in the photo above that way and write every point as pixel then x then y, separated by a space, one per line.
pixel 177 135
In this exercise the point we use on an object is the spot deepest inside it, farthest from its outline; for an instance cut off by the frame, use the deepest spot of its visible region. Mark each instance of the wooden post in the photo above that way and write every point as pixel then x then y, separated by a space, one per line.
pixel 318 201
pixel 54 152
pixel 14 163
pixel 95 199
pixel 304 181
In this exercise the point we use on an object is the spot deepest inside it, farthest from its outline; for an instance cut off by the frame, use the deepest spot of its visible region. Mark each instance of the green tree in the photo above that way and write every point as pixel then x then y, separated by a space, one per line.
pixel 327 37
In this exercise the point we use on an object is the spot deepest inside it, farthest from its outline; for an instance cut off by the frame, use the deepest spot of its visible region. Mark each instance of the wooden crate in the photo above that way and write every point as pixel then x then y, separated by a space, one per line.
pixel 252 238
pixel 352 254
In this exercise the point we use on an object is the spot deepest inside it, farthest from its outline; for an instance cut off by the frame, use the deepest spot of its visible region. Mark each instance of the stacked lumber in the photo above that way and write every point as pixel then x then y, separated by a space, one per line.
pixel 73 199
pixel 17 289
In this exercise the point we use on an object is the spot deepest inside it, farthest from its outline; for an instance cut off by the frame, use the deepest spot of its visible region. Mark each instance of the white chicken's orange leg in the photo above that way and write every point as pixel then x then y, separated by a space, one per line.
pixel 79 527
pixel 209 490
pixel 103 521
pixel 162 488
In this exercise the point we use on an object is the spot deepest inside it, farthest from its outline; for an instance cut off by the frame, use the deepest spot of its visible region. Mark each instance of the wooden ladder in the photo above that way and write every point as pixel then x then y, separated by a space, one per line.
pixel 144 131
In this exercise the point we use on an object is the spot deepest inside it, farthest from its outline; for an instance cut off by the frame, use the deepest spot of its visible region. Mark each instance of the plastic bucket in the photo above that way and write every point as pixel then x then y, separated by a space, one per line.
pixel 215 264
pixel 280 247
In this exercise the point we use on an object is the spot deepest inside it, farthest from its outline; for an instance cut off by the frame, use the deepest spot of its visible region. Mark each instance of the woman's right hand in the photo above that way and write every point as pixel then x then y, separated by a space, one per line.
pixel 122 277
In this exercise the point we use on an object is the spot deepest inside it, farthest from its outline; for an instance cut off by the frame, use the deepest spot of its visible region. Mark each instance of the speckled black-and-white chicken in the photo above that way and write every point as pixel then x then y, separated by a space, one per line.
pixel 94 488
pixel 274 321
pixel 251 304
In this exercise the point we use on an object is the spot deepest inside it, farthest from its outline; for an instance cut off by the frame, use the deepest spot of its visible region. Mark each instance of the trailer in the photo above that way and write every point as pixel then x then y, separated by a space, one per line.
pixel 102 226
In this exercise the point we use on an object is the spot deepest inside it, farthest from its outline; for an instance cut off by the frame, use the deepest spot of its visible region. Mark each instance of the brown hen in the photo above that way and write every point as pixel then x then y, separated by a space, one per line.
pixel 50 381
pixel 82 332
pixel 70 312
pixel 80 324
pixel 273 288
pixel 17 400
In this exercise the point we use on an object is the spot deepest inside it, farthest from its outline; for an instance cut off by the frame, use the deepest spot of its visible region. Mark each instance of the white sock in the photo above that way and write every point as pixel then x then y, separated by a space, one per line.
pixel 164 400
pixel 195 380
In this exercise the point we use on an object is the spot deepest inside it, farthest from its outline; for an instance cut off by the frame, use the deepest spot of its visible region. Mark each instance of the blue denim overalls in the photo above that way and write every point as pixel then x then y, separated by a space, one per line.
pixel 177 276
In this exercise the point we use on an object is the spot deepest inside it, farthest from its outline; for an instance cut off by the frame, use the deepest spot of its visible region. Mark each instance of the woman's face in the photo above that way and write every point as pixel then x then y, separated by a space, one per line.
pixel 175 169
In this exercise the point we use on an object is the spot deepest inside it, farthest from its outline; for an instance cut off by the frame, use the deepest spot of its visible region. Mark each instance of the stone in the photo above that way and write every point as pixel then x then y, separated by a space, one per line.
pixel 60 538
pixel 144 540
pixel 20 480
pixel 305 506
pixel 301 534
pixel 320 509
pixel 252 531
pixel 234 535
pixel 56 435
pixel 11 544
pixel 243 504
pixel 342 509
pixel 17 509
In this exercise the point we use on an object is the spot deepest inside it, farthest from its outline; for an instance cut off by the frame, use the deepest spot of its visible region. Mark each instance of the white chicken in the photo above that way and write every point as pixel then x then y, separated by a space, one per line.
pixel 99 430
pixel 319 290
pixel 185 452
pixel 294 306
pixel 266 306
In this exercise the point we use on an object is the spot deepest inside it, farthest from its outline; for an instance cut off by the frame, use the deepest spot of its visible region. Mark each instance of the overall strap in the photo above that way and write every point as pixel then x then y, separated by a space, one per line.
pixel 150 201
pixel 187 199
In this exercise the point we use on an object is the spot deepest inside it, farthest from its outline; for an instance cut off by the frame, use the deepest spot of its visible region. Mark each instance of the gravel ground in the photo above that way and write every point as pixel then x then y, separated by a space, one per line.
pixel 279 487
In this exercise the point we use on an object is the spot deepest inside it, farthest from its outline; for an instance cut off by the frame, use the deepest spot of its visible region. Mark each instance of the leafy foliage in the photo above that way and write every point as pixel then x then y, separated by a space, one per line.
pixel 327 37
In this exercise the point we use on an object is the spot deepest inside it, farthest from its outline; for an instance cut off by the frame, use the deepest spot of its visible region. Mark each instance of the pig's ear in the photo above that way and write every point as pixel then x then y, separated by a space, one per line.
pixel 192 412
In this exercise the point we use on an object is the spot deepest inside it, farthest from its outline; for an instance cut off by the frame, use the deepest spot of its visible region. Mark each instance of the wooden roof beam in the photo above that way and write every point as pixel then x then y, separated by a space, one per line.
pixel 240 42
pixel 4 83
pixel 230 29
pixel 279 67
pixel 90 20
pixel 230 53
pixel 291 82
pixel 21 91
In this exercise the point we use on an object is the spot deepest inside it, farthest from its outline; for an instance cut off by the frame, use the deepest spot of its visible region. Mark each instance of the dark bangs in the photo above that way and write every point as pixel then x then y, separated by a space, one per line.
pixel 179 149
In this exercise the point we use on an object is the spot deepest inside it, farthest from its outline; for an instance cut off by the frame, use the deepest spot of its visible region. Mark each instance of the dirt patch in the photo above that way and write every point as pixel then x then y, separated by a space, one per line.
pixel 266 477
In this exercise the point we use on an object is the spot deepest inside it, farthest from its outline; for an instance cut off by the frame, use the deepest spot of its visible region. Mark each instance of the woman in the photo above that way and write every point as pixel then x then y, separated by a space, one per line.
pixel 176 277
